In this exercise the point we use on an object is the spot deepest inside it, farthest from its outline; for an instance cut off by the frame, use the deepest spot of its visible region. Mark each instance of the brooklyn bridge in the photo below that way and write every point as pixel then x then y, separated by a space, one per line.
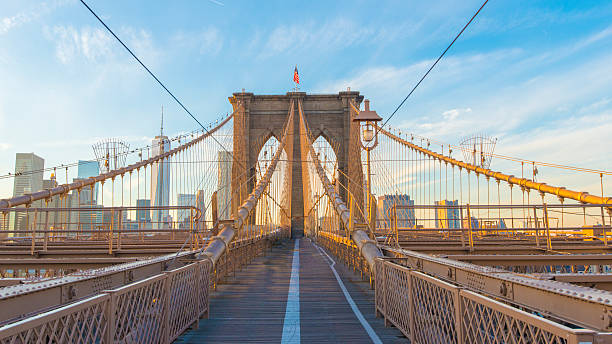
pixel 302 217
pixel 308 222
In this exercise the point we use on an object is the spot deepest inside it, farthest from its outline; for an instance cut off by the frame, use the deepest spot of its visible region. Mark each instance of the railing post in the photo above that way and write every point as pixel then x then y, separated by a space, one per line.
pixel 603 226
pixel 110 233
pixel 385 289
pixel 46 228
pixel 548 241
pixel 120 229
pixel 410 308
pixel 34 232
pixel 111 319
pixel 166 317
pixel 536 225
pixel 470 234
pixel 458 315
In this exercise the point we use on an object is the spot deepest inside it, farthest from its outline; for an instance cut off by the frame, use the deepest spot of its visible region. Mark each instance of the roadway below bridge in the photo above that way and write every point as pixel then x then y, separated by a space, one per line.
pixel 294 294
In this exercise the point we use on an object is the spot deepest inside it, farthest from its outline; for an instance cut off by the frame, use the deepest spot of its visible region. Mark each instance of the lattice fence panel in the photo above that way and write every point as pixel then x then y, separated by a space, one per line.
pixel 204 275
pixel 485 321
pixel 434 310
pixel 397 301
pixel 139 310
pixel 380 285
pixel 82 322
pixel 183 301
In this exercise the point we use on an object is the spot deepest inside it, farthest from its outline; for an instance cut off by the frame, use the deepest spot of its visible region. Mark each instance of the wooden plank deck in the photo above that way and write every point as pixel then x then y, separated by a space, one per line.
pixel 251 306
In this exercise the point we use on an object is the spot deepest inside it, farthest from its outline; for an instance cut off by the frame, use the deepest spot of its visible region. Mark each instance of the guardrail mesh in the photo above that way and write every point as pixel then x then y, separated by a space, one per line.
pixel 429 310
pixel 155 310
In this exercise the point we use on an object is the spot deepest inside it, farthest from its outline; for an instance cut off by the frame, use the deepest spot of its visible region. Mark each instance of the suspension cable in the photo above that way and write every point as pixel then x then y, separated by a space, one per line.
pixel 432 66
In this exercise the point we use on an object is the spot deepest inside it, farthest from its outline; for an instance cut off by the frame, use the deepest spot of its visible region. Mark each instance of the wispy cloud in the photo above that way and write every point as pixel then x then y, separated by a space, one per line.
pixel 207 42
pixel 217 2
pixel 333 35
pixel 452 114
pixel 97 45
pixel 391 80
pixel 91 43
pixel 5 146
pixel 10 22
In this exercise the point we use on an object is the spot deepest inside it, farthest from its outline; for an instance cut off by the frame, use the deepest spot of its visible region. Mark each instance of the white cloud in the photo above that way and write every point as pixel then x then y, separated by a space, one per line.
pixel 394 80
pixel 10 22
pixel 5 146
pixel 208 41
pixel 332 35
pixel 217 2
pixel 70 43
pixel 454 113
pixel 96 44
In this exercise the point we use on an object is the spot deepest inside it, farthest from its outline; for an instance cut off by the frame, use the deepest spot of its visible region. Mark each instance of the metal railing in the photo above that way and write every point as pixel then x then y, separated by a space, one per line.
pixel 155 310
pixel 429 310
pixel 541 223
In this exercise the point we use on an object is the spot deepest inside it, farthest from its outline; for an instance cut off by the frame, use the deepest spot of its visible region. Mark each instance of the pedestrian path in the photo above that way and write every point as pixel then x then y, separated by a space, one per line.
pixel 295 294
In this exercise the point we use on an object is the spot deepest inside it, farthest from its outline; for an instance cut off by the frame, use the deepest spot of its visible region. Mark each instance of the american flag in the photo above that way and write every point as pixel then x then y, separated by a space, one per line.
pixel 296 76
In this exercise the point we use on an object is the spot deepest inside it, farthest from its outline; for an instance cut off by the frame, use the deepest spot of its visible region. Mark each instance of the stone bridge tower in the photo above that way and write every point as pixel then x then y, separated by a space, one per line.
pixel 327 115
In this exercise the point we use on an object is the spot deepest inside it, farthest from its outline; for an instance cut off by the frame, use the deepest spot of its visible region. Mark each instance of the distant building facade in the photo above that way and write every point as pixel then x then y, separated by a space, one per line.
pixel 224 187
pixel 160 182
pixel 448 218
pixel 28 178
pixel 86 169
pixel 184 215
pixel 143 216
pixel 405 215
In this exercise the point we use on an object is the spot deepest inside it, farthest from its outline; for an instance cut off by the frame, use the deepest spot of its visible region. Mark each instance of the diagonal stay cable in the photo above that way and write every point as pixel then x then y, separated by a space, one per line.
pixel 154 77
pixel 432 66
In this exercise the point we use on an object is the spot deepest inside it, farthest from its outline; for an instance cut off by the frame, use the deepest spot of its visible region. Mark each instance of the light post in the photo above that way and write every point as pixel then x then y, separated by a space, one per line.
pixel 368 141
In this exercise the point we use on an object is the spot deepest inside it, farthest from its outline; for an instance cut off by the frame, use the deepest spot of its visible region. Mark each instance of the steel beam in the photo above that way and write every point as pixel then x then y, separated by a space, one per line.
pixel 62 263
pixel 533 259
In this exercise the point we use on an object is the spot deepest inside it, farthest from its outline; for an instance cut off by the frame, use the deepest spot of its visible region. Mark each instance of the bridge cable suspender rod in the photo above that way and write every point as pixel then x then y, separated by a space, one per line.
pixel 433 65
pixel 62 189
pixel 523 182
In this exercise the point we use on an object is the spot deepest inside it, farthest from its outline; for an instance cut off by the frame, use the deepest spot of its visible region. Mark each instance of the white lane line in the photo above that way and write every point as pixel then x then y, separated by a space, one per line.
pixel 366 326
pixel 291 325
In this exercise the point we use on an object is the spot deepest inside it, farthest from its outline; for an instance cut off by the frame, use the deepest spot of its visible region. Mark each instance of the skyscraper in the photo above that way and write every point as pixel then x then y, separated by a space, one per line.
pixel 160 182
pixel 184 215
pixel 201 205
pixel 405 216
pixel 143 216
pixel 224 187
pixel 448 217
pixel 89 168
pixel 28 178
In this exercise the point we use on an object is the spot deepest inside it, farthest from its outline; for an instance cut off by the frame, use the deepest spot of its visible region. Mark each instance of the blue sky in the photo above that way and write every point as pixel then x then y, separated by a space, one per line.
pixel 535 74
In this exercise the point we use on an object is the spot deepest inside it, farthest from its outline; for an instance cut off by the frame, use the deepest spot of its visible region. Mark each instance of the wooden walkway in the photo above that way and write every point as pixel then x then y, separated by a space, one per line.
pixel 252 306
